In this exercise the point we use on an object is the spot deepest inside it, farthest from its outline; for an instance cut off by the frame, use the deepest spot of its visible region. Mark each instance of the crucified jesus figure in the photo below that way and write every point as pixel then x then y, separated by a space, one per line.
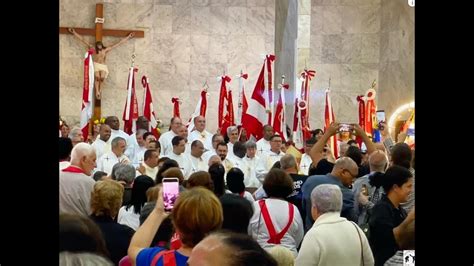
pixel 100 68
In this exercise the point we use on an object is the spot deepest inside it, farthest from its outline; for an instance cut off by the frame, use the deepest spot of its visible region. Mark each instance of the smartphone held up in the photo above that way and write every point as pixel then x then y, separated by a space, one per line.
pixel 170 192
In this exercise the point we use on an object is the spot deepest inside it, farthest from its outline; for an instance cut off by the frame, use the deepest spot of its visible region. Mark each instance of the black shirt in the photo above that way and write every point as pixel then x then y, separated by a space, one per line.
pixel 384 217
pixel 297 196
pixel 117 237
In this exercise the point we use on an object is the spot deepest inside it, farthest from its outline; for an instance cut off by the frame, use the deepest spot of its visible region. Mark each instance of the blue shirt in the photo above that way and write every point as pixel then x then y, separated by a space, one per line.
pixel 316 180
pixel 146 256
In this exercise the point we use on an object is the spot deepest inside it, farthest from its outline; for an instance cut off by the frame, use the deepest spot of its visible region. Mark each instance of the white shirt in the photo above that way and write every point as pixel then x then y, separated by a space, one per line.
pixel 118 133
pixel 278 210
pixel 151 172
pixel 333 240
pixel 198 164
pixel 267 160
pixel 305 163
pixel 108 160
pixel 249 169
pixel 138 156
pixel 230 150
pixel 165 143
pixel 101 146
pixel 263 145
pixel 184 163
pixel 128 217
pixel 205 137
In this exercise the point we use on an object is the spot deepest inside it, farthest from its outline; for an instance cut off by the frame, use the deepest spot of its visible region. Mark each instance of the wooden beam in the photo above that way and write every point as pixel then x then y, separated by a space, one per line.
pixel 99 13
pixel 105 32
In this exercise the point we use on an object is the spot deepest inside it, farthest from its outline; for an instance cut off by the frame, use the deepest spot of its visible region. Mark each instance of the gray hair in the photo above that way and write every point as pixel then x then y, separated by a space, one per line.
pixel 327 198
pixel 80 150
pixel 83 258
pixel 125 172
pixel 250 144
pixel 230 129
pixel 116 140
pixel 288 161
pixel 74 132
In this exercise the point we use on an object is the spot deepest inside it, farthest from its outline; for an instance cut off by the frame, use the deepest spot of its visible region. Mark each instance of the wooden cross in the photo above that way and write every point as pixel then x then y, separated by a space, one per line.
pixel 98 32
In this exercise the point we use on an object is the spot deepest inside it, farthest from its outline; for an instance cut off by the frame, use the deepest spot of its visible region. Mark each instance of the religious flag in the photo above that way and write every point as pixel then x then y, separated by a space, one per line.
pixel 307 75
pixel 87 93
pixel 130 113
pixel 360 100
pixel 369 117
pixel 148 110
pixel 176 101
pixel 279 124
pixel 257 114
pixel 200 109
pixel 328 119
pixel 225 108
pixel 298 137
pixel 242 103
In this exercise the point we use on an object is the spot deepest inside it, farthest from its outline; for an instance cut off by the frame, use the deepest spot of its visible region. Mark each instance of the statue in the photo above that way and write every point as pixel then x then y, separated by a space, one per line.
pixel 100 68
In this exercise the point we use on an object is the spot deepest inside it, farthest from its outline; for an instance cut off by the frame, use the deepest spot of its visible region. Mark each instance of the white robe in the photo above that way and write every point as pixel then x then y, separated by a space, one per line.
pixel 101 147
pixel 118 133
pixel 278 210
pixel 267 160
pixel 108 160
pixel 198 164
pixel 138 156
pixel 263 146
pixel 165 143
pixel 230 150
pixel 205 137
pixel 207 155
pixel 250 174
pixel 305 163
pixel 149 171
pixel 184 163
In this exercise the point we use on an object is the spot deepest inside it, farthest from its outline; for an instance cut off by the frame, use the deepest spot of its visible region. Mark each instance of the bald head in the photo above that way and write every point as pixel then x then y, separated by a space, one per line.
pixel 346 170
pixel 268 132
pixel 214 159
pixel 378 161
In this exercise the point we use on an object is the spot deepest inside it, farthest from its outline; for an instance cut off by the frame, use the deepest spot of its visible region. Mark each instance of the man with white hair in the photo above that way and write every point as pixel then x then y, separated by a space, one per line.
pixel 109 159
pixel 250 164
pixel 366 195
pixel 76 136
pixel 343 173
pixel 233 134
pixel 75 181
pixel 332 240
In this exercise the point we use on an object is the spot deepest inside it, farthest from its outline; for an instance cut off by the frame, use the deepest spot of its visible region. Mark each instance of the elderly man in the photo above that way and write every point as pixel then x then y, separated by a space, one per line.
pixel 332 240
pixel 76 136
pixel 250 164
pixel 216 139
pixel 344 172
pixel 75 181
pixel 200 133
pixel 165 138
pixel 233 134
pixel 108 160
pixel 363 190
pixel 269 158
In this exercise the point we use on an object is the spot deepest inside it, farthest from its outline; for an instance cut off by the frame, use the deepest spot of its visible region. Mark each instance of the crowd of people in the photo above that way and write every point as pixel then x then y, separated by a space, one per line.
pixel 240 202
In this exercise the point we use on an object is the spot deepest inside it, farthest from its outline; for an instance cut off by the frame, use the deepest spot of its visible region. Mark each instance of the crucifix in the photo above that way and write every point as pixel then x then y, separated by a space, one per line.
pixel 98 32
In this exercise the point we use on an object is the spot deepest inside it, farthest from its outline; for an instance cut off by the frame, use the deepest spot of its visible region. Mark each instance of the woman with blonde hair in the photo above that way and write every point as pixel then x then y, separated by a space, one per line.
pixel 196 213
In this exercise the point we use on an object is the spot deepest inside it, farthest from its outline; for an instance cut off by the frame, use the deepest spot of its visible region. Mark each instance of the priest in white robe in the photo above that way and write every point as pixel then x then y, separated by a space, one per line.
pixel 165 138
pixel 179 156
pixel 197 162
pixel 268 159
pixel 200 133
pixel 108 160
pixel 102 144
pixel 263 145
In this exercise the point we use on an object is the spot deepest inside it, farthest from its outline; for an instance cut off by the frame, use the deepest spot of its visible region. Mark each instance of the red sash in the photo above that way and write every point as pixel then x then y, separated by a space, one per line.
pixel 242 194
pixel 274 237
pixel 73 169
pixel 168 258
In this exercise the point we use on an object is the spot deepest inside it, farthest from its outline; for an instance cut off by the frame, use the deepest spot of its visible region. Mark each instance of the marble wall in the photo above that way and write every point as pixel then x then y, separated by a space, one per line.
pixel 187 42
pixel 354 42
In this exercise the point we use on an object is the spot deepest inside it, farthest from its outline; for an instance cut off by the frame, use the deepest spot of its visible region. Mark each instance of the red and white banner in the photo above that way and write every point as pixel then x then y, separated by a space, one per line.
pixel 200 109
pixel 307 75
pixel 176 102
pixel 148 110
pixel 242 103
pixel 258 114
pixel 225 108
pixel 360 99
pixel 328 119
pixel 279 124
pixel 298 137
pixel 370 109
pixel 87 93
pixel 130 113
